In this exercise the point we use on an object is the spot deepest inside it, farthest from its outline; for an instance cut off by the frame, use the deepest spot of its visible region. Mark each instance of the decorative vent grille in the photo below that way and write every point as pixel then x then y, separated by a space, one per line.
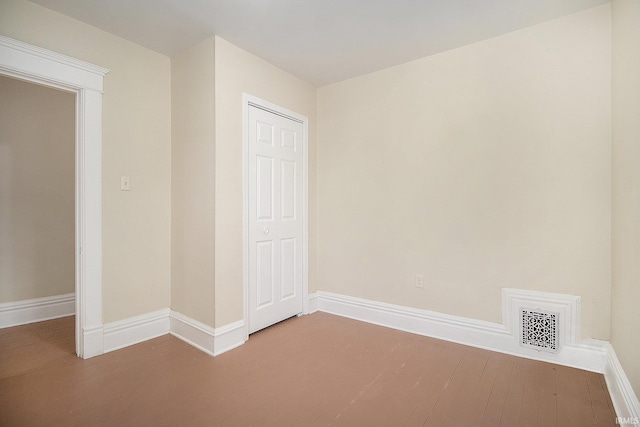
pixel 539 329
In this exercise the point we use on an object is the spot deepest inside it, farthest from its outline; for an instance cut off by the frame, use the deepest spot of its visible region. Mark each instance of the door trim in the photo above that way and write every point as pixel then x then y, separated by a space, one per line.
pixel 248 101
pixel 36 65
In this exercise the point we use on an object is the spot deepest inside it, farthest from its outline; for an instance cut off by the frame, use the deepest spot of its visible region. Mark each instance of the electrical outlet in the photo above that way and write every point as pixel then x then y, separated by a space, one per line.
pixel 125 183
pixel 419 281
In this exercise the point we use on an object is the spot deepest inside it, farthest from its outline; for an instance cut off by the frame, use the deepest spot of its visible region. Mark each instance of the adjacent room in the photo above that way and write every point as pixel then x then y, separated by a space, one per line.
pixel 319 213
pixel 37 193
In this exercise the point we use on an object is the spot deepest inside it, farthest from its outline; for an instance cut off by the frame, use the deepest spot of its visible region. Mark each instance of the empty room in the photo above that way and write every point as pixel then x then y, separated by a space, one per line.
pixel 357 213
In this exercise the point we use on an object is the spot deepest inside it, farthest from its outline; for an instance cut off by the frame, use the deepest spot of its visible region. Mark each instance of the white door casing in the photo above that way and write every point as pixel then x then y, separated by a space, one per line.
pixel 41 66
pixel 276 217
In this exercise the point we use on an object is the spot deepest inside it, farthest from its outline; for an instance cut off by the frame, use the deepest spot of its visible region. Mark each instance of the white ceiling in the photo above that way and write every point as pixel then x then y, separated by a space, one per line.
pixel 321 41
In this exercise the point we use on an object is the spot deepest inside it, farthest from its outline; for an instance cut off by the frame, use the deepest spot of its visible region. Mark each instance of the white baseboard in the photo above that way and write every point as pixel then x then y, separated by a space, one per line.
pixel 193 332
pixel 462 330
pixel 123 333
pixel 313 302
pixel 135 330
pixel 37 310
pixel 623 397
pixel 591 355
pixel 93 339
pixel 229 337
pixel 213 341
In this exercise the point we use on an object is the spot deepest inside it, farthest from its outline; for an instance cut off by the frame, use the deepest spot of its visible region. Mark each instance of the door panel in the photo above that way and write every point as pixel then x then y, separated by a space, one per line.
pixel 287 190
pixel 264 188
pixel 265 133
pixel 288 139
pixel 288 268
pixel 275 224
pixel 264 273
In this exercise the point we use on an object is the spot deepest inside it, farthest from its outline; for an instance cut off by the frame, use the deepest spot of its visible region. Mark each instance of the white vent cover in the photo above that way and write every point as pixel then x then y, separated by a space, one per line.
pixel 539 329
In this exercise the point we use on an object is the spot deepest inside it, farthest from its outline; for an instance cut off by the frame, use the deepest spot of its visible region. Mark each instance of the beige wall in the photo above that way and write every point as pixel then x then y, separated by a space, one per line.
pixel 625 296
pixel 136 142
pixel 236 72
pixel 483 167
pixel 37 191
pixel 193 182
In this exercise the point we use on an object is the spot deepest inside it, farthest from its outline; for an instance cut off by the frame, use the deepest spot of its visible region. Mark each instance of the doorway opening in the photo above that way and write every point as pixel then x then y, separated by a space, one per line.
pixel 37 204
pixel 36 65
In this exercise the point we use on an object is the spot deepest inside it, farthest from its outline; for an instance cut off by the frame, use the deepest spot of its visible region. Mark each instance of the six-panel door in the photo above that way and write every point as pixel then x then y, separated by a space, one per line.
pixel 275 218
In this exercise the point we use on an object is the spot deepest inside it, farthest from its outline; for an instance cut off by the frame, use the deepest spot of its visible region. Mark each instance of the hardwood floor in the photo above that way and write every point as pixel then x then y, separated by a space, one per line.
pixel 315 370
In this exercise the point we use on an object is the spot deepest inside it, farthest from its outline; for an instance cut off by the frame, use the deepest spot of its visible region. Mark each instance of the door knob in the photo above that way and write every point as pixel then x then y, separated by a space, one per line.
pixel 266 230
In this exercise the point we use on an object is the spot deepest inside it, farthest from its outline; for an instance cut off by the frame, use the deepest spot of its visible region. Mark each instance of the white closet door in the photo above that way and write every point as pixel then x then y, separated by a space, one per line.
pixel 275 218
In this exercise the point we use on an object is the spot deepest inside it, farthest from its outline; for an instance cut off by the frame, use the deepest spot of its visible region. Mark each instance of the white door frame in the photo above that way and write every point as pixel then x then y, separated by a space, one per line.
pixel 247 101
pixel 44 67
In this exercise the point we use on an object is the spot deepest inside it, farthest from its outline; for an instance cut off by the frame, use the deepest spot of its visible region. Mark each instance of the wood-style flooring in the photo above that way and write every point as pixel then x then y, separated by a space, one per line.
pixel 316 370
